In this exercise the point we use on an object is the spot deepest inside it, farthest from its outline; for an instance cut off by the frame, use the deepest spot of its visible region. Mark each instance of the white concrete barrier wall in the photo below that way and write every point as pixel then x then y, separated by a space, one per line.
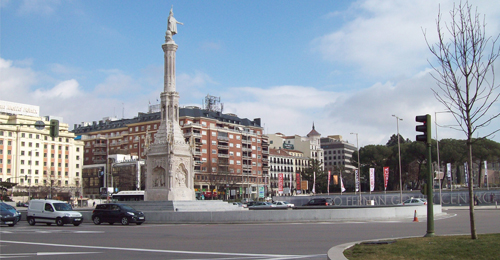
pixel 295 215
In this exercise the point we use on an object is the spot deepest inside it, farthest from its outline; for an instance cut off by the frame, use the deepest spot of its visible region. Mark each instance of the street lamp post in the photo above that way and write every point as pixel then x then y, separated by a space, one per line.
pixel 399 155
pixel 359 170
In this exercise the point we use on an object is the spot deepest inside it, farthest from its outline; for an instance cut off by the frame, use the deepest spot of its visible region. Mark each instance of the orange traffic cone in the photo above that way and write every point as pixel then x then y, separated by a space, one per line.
pixel 415 219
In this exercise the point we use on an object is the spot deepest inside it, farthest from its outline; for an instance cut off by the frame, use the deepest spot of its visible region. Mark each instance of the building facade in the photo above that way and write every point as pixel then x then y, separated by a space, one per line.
pixel 231 154
pixel 337 156
pixel 39 164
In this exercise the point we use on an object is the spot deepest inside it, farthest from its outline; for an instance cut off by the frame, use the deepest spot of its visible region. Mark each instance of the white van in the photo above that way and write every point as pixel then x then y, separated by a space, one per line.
pixel 52 211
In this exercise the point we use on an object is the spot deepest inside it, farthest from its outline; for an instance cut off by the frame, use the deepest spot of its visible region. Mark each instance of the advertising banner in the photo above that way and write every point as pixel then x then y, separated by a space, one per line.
pixel 314 183
pixel 328 187
pixel 357 179
pixel 280 183
pixel 386 177
pixel 485 168
pixel 342 185
pixel 448 170
pixel 372 179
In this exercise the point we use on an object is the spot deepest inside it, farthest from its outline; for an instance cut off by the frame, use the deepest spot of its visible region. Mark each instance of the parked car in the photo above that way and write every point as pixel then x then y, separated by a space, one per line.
pixel 52 212
pixel 16 213
pixel 239 204
pixel 320 202
pixel 283 204
pixel 115 212
pixel 414 202
pixel 262 204
pixel 7 217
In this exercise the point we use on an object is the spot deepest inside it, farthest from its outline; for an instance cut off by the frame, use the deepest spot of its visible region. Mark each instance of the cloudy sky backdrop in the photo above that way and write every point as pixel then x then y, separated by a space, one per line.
pixel 347 66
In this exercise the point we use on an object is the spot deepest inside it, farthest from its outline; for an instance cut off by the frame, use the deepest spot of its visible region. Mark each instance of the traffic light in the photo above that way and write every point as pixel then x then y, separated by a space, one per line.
pixel 54 128
pixel 425 128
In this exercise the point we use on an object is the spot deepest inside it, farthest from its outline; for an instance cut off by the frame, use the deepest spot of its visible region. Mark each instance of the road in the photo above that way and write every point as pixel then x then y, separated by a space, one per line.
pixel 223 241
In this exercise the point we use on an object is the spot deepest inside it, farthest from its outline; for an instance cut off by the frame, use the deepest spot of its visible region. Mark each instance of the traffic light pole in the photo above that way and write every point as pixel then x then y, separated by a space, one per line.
pixel 430 203
pixel 426 137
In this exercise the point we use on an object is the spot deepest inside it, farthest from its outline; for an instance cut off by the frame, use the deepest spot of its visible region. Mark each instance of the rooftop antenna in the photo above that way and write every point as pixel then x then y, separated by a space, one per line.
pixel 123 110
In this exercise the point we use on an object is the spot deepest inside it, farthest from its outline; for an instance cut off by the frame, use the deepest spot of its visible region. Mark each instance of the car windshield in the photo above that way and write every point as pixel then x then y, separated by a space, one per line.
pixel 127 208
pixel 62 207
pixel 7 206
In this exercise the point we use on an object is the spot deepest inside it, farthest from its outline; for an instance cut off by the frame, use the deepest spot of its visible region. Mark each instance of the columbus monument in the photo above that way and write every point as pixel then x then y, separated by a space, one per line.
pixel 170 163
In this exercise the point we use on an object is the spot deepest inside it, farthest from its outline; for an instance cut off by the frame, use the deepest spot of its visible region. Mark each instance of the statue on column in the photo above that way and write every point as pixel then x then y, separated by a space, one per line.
pixel 172 25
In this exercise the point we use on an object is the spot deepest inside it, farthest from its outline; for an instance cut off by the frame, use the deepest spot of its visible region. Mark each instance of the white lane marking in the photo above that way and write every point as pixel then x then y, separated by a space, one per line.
pixel 45 254
pixel 266 256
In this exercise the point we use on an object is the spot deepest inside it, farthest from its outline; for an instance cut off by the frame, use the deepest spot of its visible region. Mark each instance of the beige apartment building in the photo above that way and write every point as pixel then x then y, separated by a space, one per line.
pixel 40 165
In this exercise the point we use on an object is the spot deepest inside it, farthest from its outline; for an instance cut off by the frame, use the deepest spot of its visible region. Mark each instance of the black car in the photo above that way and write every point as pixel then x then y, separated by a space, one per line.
pixel 113 212
pixel 7 217
pixel 14 211
pixel 320 202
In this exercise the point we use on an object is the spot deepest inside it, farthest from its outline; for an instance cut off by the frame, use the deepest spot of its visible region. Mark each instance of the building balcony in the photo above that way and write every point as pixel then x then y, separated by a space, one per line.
pixel 245 166
pixel 98 161
pixel 246 141
pixel 223 155
pixel 225 138
pixel 265 152
pixel 99 153
pixel 188 125
pixel 189 134
pixel 99 145
pixel 224 147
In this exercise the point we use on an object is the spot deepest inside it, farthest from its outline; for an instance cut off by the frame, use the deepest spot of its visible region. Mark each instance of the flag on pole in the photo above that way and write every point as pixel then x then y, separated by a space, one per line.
pixel 485 168
pixel 357 179
pixel 386 177
pixel 372 179
pixel 314 183
pixel 328 187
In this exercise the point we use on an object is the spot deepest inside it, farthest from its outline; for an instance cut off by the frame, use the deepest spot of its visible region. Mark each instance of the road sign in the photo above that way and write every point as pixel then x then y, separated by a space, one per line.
pixel 39 125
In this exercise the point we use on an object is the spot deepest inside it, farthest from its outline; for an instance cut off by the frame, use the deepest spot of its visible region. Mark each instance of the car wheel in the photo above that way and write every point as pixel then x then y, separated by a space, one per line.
pixel 97 220
pixel 111 223
pixel 31 221
pixel 138 223
pixel 76 224
pixel 59 222
pixel 124 221
pixel 48 224
pixel 11 225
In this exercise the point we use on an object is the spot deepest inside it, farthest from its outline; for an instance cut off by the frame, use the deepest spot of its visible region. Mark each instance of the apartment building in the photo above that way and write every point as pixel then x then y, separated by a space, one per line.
pixel 290 163
pixel 231 153
pixel 39 164
pixel 337 155
pixel 309 145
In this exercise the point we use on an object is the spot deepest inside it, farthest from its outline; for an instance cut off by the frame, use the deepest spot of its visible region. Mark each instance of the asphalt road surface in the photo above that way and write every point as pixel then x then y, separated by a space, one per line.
pixel 221 241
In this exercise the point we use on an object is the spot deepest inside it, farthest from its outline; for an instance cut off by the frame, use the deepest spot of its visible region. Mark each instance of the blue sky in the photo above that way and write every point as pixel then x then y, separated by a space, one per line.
pixel 347 66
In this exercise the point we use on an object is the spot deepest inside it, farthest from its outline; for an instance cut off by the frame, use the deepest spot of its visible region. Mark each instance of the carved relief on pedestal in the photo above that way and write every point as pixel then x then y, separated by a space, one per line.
pixel 158 177
pixel 181 176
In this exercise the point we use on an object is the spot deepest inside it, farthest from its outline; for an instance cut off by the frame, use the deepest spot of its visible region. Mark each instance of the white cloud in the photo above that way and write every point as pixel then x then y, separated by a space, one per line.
pixel 66 89
pixel 15 81
pixel 384 38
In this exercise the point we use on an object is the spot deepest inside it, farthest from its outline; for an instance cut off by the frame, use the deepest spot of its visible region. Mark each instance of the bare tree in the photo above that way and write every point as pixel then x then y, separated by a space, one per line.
pixel 465 77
